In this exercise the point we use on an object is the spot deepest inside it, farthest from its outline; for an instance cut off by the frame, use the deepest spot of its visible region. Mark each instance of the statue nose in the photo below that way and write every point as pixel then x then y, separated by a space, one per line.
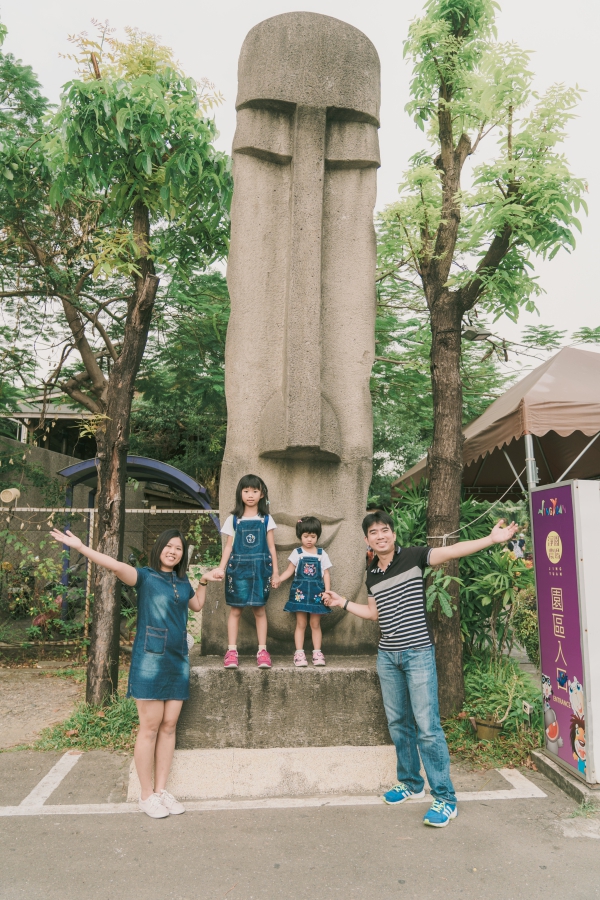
pixel 302 355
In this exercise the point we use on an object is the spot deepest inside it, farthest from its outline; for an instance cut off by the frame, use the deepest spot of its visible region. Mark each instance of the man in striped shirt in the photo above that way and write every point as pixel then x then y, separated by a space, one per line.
pixel 406 658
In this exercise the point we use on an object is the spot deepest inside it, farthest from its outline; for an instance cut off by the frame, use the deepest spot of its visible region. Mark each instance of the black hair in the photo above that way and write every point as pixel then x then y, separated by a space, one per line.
pixel 308 525
pixel 159 545
pixel 376 518
pixel 251 481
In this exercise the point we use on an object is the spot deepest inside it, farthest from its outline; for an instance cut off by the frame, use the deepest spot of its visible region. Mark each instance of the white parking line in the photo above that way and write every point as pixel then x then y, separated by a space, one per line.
pixel 51 781
pixel 522 789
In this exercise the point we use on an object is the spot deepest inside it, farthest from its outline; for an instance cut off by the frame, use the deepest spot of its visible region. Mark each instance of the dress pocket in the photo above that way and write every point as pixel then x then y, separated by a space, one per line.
pixel 156 640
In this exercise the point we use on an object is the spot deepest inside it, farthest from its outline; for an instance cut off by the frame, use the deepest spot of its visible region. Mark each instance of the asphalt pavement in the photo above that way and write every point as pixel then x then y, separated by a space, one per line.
pixel 506 849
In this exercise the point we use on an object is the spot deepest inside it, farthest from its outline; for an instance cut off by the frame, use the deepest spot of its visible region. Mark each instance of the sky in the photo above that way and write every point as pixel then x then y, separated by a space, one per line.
pixel 206 38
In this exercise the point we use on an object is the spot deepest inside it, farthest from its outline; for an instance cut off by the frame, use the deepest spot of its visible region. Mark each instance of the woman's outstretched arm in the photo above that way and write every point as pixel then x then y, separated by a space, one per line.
pixel 125 573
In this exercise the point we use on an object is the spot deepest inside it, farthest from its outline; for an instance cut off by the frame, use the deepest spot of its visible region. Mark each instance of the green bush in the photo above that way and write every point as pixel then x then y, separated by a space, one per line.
pixel 495 690
pixel 525 623
pixel 488 580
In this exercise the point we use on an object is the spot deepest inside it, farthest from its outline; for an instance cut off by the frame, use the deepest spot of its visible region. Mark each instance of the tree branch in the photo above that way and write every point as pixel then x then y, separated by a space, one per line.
pixel 82 398
pixel 99 382
pixel 97 325
pixel 496 252
pixel 391 271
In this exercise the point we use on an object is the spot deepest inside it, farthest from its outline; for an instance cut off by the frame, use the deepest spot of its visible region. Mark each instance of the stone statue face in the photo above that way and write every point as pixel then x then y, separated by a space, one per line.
pixel 300 342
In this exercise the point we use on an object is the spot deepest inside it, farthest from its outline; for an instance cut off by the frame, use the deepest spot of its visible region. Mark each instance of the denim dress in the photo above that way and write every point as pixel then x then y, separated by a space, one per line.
pixel 160 667
pixel 306 592
pixel 249 570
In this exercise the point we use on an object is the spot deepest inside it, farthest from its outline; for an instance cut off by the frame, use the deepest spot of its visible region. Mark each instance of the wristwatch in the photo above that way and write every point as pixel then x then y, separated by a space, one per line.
pixel 346 604
pixel 203 583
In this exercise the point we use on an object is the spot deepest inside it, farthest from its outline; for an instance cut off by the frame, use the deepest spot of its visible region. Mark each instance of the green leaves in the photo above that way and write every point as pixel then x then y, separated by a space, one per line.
pixel 446 45
pixel 587 335
pixel 438 583
pixel 543 336
pixel 69 179
pixel 181 415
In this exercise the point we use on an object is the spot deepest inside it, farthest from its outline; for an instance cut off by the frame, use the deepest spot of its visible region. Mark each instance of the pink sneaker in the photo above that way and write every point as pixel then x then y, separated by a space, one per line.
pixel 300 659
pixel 318 658
pixel 263 660
pixel 231 659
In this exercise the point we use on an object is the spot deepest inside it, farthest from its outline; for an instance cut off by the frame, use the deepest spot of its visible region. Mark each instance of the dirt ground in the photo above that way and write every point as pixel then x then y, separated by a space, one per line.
pixel 32 698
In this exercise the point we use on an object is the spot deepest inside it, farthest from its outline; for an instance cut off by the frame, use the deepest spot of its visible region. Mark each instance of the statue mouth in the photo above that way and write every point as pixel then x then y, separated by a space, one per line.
pixel 285 533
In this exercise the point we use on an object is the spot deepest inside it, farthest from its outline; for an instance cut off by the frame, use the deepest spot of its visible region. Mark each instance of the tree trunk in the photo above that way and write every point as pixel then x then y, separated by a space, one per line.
pixel 113 441
pixel 445 461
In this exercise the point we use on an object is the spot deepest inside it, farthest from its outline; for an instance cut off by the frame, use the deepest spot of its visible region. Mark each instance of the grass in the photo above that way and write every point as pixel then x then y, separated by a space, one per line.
pixel 78 675
pixel 494 690
pixel 587 809
pixel 510 749
pixel 109 727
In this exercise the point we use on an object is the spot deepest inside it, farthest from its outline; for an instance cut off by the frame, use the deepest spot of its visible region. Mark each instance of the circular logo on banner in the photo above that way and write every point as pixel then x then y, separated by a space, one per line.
pixel 250 538
pixel 554 547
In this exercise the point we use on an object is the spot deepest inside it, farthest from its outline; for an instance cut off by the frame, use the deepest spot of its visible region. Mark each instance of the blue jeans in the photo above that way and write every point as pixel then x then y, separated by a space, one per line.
pixel 410 698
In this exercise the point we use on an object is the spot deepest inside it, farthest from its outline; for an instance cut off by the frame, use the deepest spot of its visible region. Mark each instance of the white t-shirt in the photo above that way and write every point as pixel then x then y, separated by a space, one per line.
pixel 228 526
pixel 295 556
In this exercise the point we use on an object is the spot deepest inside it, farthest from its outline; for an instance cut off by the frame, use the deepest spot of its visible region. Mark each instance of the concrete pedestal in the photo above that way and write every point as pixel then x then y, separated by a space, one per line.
pixel 338 705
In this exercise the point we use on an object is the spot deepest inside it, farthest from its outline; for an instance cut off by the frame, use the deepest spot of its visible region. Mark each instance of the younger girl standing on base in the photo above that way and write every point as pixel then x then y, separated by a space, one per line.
pixel 310 566
pixel 248 565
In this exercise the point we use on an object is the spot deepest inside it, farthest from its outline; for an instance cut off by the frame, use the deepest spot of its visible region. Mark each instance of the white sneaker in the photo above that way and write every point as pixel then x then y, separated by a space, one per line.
pixel 153 807
pixel 169 802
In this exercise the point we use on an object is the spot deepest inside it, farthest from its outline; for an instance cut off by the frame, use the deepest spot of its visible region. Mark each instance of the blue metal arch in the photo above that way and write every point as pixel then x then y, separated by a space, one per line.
pixel 143 469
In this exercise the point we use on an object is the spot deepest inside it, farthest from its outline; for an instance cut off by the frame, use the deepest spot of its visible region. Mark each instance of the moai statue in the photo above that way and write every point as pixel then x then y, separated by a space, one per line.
pixel 300 342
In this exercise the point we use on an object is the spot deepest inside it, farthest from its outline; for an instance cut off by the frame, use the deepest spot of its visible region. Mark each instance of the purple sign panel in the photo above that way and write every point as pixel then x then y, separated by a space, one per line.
pixel 553 525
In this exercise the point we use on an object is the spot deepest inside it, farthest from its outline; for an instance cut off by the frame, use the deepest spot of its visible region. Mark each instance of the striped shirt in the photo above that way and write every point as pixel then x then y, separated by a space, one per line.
pixel 399 592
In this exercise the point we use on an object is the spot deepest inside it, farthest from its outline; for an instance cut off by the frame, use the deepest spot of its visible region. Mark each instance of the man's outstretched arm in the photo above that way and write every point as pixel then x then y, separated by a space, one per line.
pixel 362 610
pixel 498 535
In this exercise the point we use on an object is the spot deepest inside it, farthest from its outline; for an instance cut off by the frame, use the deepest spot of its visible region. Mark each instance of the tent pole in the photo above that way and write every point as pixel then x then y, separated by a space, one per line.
pixel 541 449
pixel 532 472
pixel 515 473
pixel 577 458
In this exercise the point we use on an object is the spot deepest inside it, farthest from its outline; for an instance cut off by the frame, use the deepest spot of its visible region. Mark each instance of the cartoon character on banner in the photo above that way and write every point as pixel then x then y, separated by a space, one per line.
pixel 553 738
pixel 576 697
pixel 577 735
pixel 546 690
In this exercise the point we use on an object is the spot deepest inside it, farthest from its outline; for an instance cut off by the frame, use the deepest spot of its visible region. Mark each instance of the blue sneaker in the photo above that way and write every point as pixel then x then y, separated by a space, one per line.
pixel 401 792
pixel 440 814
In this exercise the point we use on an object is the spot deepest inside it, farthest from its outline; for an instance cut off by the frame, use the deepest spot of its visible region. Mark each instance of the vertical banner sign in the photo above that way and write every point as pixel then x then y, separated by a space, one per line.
pixel 563 687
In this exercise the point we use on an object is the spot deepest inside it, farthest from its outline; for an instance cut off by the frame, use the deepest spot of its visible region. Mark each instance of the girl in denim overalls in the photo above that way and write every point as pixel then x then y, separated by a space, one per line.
pixel 248 565
pixel 310 566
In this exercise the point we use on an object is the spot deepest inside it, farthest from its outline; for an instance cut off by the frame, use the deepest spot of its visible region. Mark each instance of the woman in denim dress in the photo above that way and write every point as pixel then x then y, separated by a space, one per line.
pixel 160 671
pixel 248 565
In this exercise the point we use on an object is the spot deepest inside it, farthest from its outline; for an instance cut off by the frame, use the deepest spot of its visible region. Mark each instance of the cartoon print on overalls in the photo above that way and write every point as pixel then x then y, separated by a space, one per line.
pixel 306 592
pixel 250 565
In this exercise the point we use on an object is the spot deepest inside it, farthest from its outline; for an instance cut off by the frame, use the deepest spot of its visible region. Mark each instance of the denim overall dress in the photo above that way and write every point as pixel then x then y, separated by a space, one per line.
pixel 249 570
pixel 308 586
pixel 160 667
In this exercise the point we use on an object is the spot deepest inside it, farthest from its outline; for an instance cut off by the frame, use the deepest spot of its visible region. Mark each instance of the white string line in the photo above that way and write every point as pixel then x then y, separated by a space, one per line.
pixel 444 537
pixel 87 509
